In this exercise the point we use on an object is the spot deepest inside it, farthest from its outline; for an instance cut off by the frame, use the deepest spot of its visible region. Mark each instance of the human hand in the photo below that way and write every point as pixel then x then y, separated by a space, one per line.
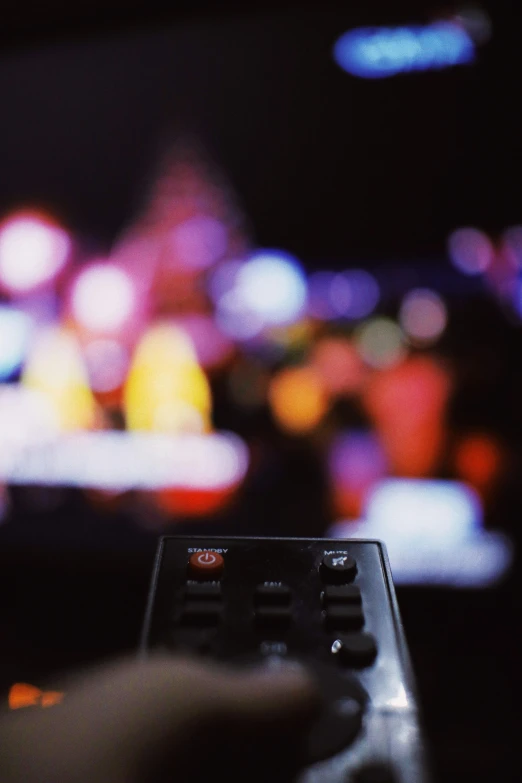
pixel 166 719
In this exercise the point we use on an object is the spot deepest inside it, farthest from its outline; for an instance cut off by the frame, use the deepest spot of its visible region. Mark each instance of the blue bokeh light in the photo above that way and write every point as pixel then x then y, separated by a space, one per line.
pixel 378 52
pixel 15 332
pixel 354 294
pixel 319 301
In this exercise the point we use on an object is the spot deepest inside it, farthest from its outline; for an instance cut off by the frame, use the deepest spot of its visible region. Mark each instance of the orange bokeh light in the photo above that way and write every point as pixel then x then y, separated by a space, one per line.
pixel 21 694
pixel 298 400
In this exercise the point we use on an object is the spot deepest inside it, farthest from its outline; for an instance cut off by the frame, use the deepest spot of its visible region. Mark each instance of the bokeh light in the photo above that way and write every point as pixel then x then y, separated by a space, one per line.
pixel 471 251
pixel 272 285
pixel 107 363
pixel 55 369
pixel 219 470
pixel 441 512
pixel 479 460
pixel 222 279
pixel 236 320
pixel 380 342
pixel 103 298
pixel 15 330
pixel 356 463
pixel 354 294
pixel 423 316
pixel 33 249
pixel 199 242
pixel 21 695
pixel 319 300
pixel 407 404
pixel 378 52
pixel 27 418
pixel 166 389
pixel 297 399
pixel 339 365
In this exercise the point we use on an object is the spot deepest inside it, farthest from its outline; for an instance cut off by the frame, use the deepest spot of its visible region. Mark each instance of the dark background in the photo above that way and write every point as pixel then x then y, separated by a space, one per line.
pixel 325 166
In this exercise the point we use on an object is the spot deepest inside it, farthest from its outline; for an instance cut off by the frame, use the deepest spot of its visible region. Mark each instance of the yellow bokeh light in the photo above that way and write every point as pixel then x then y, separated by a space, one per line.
pixel 166 389
pixel 55 369
pixel 297 399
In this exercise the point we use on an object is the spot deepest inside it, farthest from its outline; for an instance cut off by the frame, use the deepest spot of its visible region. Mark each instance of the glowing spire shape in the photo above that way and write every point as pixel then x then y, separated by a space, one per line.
pixel 55 369
pixel 166 389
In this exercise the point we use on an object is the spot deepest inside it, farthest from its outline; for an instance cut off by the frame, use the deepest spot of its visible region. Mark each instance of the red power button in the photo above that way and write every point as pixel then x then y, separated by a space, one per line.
pixel 206 565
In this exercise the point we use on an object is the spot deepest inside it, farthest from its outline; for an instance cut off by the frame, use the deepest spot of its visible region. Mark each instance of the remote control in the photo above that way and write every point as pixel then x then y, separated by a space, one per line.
pixel 331 605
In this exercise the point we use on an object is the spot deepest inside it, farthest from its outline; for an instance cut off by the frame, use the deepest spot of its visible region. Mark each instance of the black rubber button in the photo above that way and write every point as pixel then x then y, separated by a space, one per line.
pixel 273 616
pixel 201 613
pixel 343 617
pixel 338 568
pixel 267 594
pixel 355 649
pixel 341 593
pixel 206 591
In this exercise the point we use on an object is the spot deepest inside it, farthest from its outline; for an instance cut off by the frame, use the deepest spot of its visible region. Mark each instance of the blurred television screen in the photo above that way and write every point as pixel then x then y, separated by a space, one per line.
pixel 262 275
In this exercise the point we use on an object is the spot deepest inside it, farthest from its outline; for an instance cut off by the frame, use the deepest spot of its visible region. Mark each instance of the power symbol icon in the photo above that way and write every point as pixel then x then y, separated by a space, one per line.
pixel 207 558
pixel 205 565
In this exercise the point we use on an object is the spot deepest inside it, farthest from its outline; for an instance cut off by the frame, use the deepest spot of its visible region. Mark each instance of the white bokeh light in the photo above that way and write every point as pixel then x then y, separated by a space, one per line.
pixel 272 285
pixel 32 252
pixel 103 298
pixel 434 533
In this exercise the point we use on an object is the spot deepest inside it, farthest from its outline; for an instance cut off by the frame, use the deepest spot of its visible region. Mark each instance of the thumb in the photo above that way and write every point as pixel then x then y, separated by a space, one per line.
pixel 145 721
pixel 248 724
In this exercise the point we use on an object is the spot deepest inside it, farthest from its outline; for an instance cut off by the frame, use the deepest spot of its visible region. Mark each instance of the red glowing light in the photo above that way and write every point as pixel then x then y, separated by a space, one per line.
pixel 408 406
pixel 479 460
pixel 192 502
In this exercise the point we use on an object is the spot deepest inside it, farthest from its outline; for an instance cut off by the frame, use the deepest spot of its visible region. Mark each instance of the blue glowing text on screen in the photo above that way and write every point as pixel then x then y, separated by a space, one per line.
pixel 378 52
